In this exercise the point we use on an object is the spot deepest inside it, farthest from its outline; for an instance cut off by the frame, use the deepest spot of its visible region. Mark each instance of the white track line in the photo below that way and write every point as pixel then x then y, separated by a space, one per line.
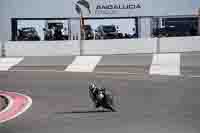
pixel 7 63
pixel 84 64
pixel 25 108
pixel 165 64
pixel 57 71
pixel 193 76
pixel 111 73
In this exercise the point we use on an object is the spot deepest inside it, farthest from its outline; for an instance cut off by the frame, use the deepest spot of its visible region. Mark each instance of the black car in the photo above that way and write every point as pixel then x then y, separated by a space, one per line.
pixel 28 34
pixel 107 32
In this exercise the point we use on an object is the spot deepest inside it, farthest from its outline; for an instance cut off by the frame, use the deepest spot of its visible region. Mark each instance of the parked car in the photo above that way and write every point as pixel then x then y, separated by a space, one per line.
pixel 88 32
pixel 174 31
pixel 28 34
pixel 107 32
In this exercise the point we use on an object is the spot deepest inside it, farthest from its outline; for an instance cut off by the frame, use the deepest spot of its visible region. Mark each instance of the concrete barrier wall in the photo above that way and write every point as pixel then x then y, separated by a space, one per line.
pixel 180 44
pixel 102 47
pixel 1 48
pixel 42 48
pixel 125 46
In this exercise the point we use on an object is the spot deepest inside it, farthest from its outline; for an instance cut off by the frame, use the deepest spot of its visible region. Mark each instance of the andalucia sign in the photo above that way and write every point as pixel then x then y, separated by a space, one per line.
pixel 106 7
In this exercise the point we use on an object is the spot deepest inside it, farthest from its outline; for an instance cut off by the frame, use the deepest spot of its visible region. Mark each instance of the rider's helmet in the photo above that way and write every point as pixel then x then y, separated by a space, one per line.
pixel 92 86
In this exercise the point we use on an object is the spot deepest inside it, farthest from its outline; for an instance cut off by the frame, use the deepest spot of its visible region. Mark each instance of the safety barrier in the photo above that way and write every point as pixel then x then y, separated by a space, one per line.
pixel 1 48
pixel 42 48
pixel 119 46
pixel 102 47
pixel 180 44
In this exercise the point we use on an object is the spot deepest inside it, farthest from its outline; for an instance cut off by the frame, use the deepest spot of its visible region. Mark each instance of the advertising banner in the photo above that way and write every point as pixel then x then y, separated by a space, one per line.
pixel 107 7
pixel 127 8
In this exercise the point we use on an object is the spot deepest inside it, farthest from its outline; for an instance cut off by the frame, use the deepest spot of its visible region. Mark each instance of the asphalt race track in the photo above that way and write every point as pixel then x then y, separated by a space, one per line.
pixel 145 104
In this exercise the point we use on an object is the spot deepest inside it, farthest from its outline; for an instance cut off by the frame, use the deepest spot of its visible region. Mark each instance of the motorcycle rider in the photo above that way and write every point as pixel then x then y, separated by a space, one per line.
pixel 94 89
pixel 97 93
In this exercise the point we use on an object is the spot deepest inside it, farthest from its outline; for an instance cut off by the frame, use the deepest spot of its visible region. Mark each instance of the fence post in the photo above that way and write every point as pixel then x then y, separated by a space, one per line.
pixel 3 50
pixel 158 46
pixel 80 36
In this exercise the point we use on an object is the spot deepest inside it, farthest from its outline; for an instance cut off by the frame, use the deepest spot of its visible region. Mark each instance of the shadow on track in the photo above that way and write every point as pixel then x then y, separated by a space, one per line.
pixel 83 112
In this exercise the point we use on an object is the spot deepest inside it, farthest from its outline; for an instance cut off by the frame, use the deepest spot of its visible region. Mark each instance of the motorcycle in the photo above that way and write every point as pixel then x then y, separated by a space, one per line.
pixel 102 99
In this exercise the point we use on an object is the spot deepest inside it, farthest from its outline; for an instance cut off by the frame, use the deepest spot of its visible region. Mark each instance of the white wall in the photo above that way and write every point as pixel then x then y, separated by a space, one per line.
pixel 180 44
pixel 42 48
pixel 90 47
pixel 102 47
pixel 0 48
pixel 129 46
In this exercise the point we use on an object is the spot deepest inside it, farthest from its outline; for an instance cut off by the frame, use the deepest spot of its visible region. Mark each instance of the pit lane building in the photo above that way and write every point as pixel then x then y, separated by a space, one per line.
pixel 143 10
